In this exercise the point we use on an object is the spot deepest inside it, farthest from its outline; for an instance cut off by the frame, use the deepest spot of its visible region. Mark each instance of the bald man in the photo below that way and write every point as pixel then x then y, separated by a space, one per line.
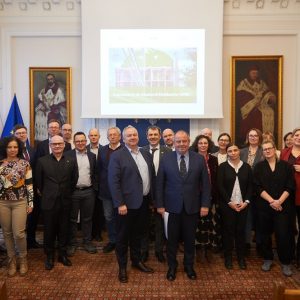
pixel 56 178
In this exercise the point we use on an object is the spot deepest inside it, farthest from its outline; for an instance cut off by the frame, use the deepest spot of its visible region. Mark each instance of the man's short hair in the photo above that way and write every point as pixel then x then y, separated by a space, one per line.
pixel 54 121
pixel 153 127
pixel 79 133
pixel 125 128
pixel 19 126
pixel 114 127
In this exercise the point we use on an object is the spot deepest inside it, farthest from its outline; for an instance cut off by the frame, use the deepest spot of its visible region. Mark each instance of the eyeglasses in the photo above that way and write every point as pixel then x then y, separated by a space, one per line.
pixel 223 141
pixel 80 142
pixel 268 149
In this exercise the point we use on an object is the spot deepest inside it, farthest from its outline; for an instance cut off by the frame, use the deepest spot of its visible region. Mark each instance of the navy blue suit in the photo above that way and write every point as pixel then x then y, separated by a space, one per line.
pixel 182 197
pixel 126 187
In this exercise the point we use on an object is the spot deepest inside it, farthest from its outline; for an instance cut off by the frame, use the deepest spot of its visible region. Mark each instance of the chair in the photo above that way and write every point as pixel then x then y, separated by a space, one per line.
pixel 281 293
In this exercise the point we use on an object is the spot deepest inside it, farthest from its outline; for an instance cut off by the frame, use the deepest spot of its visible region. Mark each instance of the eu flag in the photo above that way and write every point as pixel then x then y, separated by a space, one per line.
pixel 14 117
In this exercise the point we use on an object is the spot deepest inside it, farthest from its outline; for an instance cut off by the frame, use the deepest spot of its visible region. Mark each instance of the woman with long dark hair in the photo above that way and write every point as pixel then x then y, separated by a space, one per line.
pixel 208 235
pixel 16 201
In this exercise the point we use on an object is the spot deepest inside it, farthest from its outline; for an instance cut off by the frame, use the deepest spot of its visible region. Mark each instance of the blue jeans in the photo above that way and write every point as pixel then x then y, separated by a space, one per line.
pixel 110 218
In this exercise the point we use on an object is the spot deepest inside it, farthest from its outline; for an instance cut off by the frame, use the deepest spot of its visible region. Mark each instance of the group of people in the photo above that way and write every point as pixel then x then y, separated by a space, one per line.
pixel 191 195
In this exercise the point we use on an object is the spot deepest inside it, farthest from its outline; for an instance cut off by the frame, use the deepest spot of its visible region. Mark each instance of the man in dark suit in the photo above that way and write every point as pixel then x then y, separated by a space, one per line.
pixel 183 191
pixel 56 177
pixel 114 137
pixel 130 174
pixel 98 216
pixel 156 151
pixel 43 148
pixel 83 198
pixel 20 131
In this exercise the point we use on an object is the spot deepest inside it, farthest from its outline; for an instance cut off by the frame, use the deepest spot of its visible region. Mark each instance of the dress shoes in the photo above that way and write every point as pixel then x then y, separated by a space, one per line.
pixel 109 247
pixel 64 260
pixel 123 275
pixel 144 256
pixel 33 245
pixel 89 247
pixel 49 262
pixel 171 274
pixel 242 264
pixel 190 272
pixel 142 267
pixel 160 257
pixel 228 263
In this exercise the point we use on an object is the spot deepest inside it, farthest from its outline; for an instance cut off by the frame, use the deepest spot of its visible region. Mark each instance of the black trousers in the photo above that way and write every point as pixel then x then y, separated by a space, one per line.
pixel 181 227
pixel 83 201
pixel 32 220
pixel 98 219
pixel 153 218
pixel 278 222
pixel 130 229
pixel 234 224
pixel 56 224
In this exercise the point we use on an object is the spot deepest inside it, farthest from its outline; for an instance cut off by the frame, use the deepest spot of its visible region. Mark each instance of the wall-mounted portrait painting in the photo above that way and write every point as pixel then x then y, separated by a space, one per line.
pixel 50 98
pixel 256 96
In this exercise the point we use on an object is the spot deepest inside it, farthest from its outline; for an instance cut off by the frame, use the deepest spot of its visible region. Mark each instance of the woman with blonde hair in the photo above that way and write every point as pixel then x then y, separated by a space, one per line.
pixel 274 184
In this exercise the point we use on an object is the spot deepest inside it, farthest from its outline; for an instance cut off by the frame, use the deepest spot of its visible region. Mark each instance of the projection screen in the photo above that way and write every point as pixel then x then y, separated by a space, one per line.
pixel 152 59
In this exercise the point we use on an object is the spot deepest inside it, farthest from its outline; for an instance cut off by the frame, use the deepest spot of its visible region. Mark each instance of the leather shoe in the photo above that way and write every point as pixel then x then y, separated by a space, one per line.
pixel 228 263
pixel 109 247
pixel 64 260
pixel 142 267
pixel 160 257
pixel 190 272
pixel 123 275
pixel 33 245
pixel 144 256
pixel 242 264
pixel 171 274
pixel 49 262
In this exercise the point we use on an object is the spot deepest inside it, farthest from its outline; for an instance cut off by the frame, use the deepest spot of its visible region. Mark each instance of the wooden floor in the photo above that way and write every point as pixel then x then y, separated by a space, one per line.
pixel 94 276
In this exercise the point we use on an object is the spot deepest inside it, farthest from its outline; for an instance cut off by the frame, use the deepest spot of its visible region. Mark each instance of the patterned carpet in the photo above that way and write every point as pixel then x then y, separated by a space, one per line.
pixel 94 276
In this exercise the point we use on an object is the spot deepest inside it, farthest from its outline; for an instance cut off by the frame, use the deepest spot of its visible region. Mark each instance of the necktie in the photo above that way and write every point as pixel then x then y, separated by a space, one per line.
pixel 153 150
pixel 182 167
pixel 26 155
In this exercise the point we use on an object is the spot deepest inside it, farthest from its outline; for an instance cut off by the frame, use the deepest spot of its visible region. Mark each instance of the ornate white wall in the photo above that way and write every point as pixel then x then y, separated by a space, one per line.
pixel 47 33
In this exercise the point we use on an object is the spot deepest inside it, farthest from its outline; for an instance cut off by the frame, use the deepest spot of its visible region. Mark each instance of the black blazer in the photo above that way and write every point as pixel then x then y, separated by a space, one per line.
pixel 274 182
pixel 227 177
pixel 56 180
pixel 42 148
pixel 100 147
pixel 93 166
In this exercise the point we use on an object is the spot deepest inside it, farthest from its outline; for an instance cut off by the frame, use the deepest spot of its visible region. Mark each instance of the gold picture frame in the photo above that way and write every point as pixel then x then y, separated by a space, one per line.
pixel 50 98
pixel 256 96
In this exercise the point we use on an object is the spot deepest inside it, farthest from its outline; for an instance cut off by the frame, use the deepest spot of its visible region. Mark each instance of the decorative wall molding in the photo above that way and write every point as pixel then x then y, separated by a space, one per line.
pixel 266 7
pixel 33 7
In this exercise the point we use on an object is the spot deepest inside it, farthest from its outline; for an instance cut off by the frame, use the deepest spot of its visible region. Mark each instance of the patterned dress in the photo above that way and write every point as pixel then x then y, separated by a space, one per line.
pixel 16 181
pixel 208 234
